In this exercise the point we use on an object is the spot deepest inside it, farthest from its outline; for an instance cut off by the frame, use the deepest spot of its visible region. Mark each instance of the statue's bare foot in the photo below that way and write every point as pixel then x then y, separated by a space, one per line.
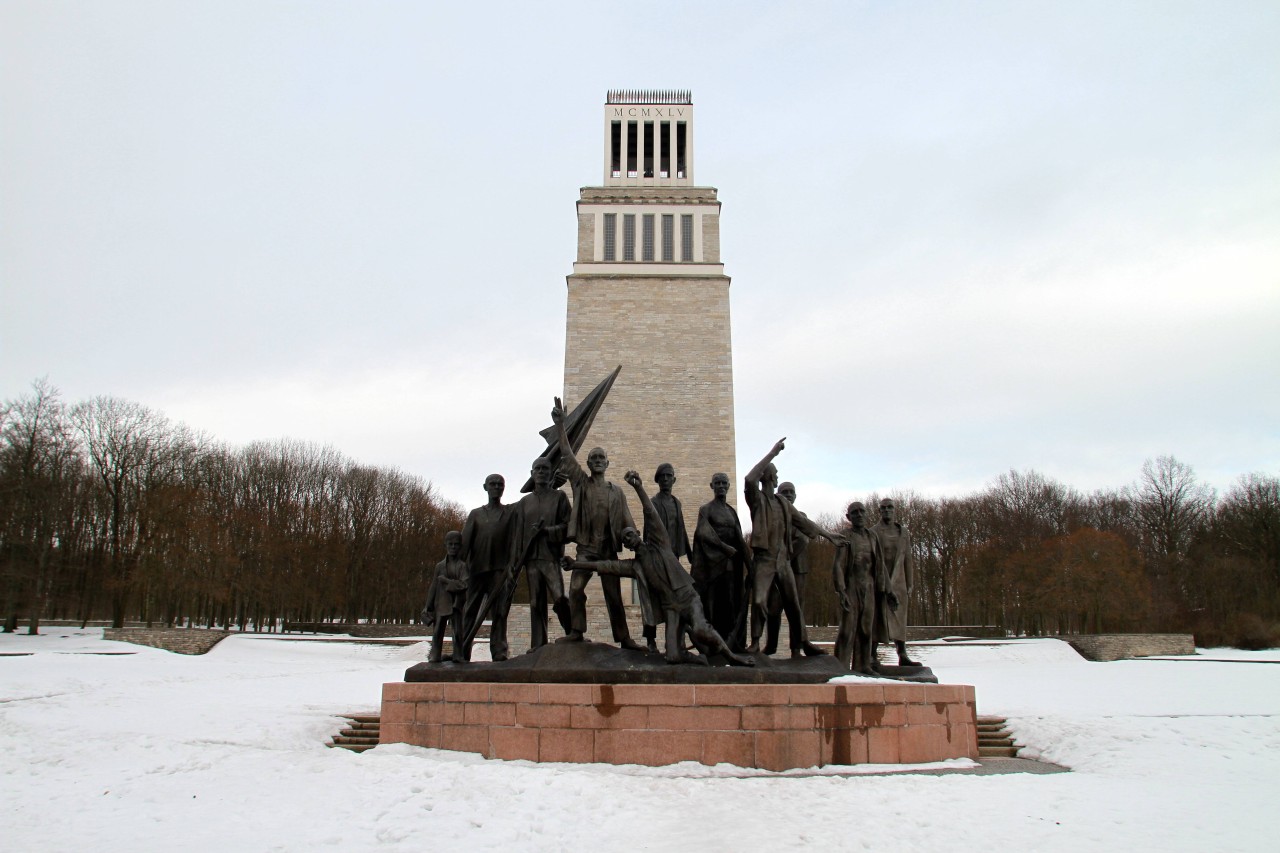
pixel 865 671
pixel 630 645
pixel 811 650
pixel 738 660
pixel 572 637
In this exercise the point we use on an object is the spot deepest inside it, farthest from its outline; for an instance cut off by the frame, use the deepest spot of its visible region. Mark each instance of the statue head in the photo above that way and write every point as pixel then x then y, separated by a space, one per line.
pixel 494 486
pixel 540 471
pixel 887 510
pixel 769 479
pixel 665 477
pixel 857 515
pixel 631 538
pixel 597 460
pixel 453 543
pixel 720 484
pixel 788 491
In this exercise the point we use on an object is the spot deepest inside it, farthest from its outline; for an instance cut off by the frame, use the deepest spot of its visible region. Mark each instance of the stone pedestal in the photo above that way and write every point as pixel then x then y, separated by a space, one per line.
pixel 767 726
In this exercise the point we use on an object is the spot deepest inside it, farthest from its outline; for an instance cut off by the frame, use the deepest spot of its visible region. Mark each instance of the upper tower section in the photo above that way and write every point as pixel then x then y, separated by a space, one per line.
pixel 648 138
pixel 647 218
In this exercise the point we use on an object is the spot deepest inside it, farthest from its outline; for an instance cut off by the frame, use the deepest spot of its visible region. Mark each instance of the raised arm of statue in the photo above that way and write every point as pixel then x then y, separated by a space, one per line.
pixel 655 532
pixel 756 474
pixel 569 465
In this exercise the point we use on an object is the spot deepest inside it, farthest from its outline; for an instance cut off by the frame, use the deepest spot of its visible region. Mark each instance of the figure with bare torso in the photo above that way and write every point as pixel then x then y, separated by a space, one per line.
pixel 721 563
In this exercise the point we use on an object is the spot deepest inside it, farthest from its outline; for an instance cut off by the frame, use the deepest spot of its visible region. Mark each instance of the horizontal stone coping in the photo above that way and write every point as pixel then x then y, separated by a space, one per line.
pixel 679 695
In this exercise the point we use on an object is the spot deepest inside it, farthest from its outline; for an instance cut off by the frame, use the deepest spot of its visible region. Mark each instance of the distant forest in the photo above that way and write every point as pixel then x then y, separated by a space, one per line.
pixel 109 510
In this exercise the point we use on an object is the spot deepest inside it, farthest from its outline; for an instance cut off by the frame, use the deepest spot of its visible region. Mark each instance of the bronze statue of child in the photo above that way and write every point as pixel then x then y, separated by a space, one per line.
pixel 446 600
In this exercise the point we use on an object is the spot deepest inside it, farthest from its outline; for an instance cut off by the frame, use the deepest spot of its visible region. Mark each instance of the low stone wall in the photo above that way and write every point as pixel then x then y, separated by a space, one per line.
pixel 773 727
pixel 360 629
pixel 1106 647
pixel 184 641
pixel 915 633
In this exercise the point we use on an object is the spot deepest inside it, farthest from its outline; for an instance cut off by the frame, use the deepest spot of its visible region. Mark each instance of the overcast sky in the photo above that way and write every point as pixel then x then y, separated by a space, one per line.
pixel 963 237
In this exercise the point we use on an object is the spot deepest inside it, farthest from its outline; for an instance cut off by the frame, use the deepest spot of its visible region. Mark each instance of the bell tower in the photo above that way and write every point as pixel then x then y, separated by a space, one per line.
pixel 648 292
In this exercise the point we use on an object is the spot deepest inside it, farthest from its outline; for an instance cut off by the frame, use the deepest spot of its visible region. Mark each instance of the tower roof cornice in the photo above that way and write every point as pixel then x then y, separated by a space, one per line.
pixel 664 97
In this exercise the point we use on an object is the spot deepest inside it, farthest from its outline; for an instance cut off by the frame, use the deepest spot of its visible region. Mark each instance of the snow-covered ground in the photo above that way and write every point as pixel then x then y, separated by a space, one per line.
pixel 226 752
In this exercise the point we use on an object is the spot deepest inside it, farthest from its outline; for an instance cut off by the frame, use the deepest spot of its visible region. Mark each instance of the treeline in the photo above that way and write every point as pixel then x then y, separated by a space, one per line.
pixel 108 510
pixel 1034 556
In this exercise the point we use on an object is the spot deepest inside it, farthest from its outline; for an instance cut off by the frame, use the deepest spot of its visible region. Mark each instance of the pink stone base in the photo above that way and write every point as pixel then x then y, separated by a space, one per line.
pixel 773 727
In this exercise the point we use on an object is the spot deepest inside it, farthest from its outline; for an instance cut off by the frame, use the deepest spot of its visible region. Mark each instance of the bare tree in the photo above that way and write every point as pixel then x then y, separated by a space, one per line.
pixel 1171 505
pixel 120 437
pixel 38 468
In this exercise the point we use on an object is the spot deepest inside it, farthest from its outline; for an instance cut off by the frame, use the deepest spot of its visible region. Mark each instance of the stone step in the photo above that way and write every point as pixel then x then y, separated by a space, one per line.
pixel 362 733
pixel 994 740
pixel 354 747
pixel 350 732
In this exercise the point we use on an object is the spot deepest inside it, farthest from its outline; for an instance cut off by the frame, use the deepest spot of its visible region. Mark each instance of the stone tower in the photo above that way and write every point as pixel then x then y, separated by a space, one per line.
pixel 648 292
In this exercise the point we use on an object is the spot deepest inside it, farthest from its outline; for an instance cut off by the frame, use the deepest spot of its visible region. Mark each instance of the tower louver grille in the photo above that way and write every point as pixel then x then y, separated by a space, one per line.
pixel 649 96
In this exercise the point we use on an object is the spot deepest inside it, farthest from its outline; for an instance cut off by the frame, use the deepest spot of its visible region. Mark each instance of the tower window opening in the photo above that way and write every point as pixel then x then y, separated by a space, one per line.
pixel 664 149
pixel 668 237
pixel 648 149
pixel 686 237
pixel 610 235
pixel 629 235
pixel 631 149
pixel 615 149
pixel 646 247
pixel 680 149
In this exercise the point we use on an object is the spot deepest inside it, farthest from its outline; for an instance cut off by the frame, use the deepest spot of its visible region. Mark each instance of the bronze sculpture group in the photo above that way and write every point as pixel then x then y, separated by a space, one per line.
pixel 734 588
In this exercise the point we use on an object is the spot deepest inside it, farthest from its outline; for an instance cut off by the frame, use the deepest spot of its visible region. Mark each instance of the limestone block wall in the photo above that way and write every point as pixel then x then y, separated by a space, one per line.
pixel 1107 647
pixel 673 401
pixel 711 238
pixel 586 236
pixel 184 641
